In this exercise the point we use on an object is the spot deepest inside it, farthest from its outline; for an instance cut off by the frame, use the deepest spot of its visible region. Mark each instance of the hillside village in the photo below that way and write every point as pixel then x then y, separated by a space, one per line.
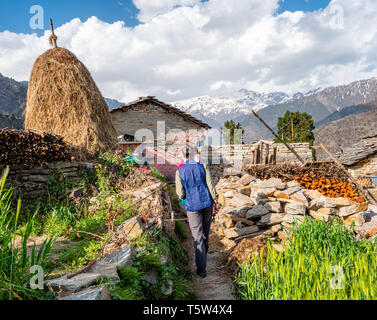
pixel 91 194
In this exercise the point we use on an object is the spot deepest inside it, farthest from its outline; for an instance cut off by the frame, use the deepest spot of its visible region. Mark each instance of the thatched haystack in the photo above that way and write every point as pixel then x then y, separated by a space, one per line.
pixel 63 99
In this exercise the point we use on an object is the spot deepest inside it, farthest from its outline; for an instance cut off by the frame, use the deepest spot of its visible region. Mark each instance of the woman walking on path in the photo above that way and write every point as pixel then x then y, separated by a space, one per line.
pixel 194 184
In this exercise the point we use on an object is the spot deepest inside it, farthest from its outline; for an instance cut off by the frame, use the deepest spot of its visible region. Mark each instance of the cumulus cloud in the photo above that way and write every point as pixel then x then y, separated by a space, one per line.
pixel 150 9
pixel 187 48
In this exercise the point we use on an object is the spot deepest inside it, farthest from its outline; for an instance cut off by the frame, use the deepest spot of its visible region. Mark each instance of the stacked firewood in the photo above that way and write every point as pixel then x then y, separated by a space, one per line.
pixel 329 187
pixel 287 171
pixel 29 149
pixel 325 177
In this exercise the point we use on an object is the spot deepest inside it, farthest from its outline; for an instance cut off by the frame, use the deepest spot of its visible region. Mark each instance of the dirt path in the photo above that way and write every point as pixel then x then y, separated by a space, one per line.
pixel 217 285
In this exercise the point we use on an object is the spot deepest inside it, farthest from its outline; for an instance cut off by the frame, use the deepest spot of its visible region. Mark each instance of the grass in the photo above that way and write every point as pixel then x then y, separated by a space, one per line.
pixel 100 209
pixel 16 260
pixel 79 256
pixel 59 214
pixel 323 262
pixel 155 249
pixel 180 230
pixel 158 174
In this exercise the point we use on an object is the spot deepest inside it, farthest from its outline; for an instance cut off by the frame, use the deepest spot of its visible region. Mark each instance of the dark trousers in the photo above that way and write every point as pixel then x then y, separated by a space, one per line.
pixel 200 224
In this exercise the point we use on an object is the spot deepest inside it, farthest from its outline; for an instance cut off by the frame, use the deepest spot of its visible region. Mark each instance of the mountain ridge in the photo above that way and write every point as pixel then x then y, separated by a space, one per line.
pixel 320 103
pixel 12 96
pixel 13 102
pixel 348 130
pixel 325 105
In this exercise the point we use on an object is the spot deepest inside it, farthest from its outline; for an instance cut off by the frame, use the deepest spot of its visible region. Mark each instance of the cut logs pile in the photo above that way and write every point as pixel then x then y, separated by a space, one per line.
pixel 332 188
pixel 325 177
pixel 29 149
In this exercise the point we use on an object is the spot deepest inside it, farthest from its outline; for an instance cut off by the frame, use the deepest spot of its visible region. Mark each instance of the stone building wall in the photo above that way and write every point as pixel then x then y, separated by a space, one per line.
pixel 224 154
pixel 33 182
pixel 146 116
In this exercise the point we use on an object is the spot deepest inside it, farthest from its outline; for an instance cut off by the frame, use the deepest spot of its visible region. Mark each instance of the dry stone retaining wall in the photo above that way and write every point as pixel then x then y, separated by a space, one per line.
pixel 253 207
pixel 31 182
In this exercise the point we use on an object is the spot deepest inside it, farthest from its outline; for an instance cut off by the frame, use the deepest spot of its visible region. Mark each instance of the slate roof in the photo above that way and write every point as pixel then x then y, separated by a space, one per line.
pixel 360 151
pixel 170 108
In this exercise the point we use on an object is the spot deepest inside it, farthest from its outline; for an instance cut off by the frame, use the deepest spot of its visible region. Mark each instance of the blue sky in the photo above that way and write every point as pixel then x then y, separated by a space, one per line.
pixel 15 16
pixel 215 49
pixel 303 5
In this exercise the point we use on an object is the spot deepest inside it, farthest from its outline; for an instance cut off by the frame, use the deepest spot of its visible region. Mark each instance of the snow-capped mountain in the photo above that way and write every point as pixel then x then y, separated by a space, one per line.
pixel 258 100
pixel 216 110
pixel 319 102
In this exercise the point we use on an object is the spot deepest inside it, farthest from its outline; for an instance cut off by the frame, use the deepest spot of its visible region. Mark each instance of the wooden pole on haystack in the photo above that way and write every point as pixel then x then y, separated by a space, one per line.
pixel 277 137
pixel 53 38
pixel 364 192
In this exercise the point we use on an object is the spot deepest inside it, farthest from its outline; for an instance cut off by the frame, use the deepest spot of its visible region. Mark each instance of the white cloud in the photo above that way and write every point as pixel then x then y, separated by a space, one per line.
pixel 187 48
pixel 150 9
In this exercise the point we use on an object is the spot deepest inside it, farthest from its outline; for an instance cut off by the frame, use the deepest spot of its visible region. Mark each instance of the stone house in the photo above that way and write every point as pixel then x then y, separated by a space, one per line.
pixel 361 158
pixel 361 161
pixel 145 112
pixel 164 122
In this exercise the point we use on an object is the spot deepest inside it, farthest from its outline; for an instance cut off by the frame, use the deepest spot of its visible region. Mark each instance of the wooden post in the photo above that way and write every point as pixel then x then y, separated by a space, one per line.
pixel 271 159
pixel 266 156
pixel 277 137
pixel 258 154
pixel 275 156
pixel 362 191
pixel 255 155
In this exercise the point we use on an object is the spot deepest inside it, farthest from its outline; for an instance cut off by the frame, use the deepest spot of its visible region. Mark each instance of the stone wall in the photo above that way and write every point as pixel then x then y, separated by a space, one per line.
pixel 252 207
pixel 32 182
pixel 146 116
pixel 226 154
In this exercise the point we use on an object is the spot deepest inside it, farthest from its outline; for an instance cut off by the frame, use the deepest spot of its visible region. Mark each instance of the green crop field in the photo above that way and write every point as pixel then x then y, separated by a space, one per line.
pixel 323 261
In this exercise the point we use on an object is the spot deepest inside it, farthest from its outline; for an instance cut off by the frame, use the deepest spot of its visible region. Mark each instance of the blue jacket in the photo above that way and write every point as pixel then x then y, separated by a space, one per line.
pixel 193 178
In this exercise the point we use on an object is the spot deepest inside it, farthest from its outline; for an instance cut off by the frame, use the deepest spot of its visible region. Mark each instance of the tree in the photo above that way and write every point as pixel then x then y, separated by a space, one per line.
pixel 296 127
pixel 231 126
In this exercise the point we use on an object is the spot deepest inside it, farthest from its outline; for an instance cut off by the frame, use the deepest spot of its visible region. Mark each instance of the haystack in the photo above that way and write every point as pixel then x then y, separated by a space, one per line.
pixel 63 99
